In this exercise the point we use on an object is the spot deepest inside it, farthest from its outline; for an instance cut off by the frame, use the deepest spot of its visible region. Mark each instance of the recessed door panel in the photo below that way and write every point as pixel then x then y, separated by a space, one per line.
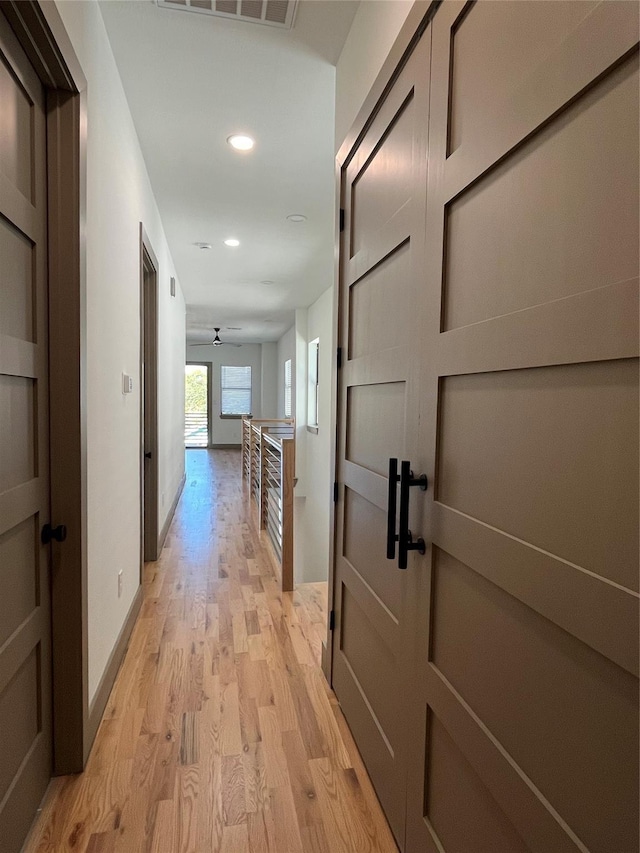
pixel 364 547
pixel 459 810
pixel 373 666
pixel 16 129
pixel 541 225
pixel 487 68
pixel 384 185
pixel 559 459
pixel 376 415
pixel 16 283
pixel 380 305
pixel 22 692
pixel 522 675
pixel 19 575
pixel 17 430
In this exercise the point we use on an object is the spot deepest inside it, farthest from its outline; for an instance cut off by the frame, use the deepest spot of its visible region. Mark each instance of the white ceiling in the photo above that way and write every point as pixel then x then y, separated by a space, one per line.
pixel 192 80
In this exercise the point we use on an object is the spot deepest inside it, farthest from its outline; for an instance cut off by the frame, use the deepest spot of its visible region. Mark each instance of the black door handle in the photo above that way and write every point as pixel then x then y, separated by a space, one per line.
pixel 405 539
pixel 147 455
pixel 392 537
pixel 50 533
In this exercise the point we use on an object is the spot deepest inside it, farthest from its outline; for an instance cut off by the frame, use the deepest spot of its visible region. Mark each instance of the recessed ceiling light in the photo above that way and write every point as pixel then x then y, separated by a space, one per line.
pixel 240 142
pixel 266 281
pixel 231 241
pixel 203 245
pixel 297 217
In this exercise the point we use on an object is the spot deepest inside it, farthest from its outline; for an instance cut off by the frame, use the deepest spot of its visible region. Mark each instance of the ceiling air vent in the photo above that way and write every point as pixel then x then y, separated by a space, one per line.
pixel 273 13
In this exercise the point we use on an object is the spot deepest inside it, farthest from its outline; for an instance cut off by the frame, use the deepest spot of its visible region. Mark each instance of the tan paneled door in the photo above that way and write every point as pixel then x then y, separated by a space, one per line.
pixel 527 692
pixel 25 668
pixel 379 398
pixel 520 701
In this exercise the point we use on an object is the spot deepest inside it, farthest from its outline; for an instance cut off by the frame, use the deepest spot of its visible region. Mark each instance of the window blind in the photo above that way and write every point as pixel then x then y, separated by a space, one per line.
pixel 235 390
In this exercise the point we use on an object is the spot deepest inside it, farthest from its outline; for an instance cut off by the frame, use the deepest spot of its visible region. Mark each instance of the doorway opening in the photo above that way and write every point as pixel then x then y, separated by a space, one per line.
pixel 148 399
pixel 197 423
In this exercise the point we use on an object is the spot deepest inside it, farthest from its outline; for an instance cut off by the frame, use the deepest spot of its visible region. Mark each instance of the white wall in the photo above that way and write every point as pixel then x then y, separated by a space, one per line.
pixel 119 197
pixel 290 347
pixel 229 430
pixel 373 32
pixel 313 492
pixel 314 515
pixel 171 357
pixel 300 404
pixel 269 389
pixel 286 350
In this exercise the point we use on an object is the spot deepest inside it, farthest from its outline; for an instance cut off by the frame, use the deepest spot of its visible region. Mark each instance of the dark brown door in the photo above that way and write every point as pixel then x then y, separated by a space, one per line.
pixel 525 729
pixel 379 397
pixel 25 629
pixel 149 399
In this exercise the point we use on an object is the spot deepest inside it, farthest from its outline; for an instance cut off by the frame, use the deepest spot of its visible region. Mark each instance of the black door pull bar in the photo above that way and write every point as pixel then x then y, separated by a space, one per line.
pixel 392 536
pixel 404 537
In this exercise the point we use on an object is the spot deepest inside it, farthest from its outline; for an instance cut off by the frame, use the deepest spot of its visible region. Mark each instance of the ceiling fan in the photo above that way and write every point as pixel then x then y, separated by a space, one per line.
pixel 216 342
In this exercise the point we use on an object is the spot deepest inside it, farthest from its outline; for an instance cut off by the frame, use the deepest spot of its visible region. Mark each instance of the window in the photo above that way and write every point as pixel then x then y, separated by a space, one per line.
pixel 287 388
pixel 312 396
pixel 235 391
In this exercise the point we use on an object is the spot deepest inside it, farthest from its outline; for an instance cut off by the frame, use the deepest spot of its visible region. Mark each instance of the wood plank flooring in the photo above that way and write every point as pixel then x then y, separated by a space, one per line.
pixel 221 733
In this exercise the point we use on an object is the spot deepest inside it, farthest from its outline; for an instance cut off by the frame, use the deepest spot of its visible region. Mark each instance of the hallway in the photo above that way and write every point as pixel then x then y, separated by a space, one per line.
pixel 221 733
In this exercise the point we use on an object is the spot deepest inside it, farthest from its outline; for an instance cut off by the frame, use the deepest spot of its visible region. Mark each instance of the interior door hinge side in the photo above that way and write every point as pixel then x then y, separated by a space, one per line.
pixel 335 492
pixel 341 219
pixel 332 620
pixel 339 357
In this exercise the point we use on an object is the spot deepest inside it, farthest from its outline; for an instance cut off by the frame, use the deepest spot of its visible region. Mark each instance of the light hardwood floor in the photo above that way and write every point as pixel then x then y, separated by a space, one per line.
pixel 221 733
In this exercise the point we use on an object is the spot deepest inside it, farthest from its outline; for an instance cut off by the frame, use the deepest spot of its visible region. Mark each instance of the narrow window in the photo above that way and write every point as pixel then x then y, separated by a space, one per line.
pixel 235 391
pixel 287 388
pixel 312 407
